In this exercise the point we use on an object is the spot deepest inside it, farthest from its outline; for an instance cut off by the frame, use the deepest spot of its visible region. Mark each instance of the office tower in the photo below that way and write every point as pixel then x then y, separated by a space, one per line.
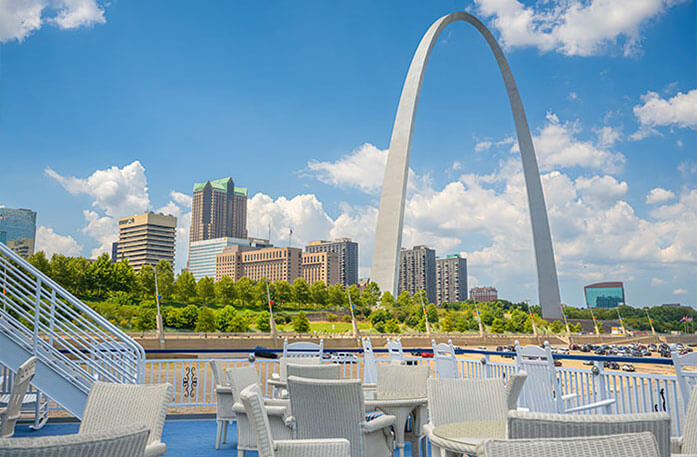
pixel 484 294
pixel 417 271
pixel 203 254
pixel 229 261
pixel 321 266
pixel 348 257
pixel 274 264
pixel 219 209
pixel 115 251
pixel 451 279
pixel 146 239
pixel 18 230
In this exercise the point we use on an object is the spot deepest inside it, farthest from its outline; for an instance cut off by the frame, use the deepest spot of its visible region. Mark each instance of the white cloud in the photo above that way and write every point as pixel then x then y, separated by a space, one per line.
pixel 104 229
pixel 20 18
pixel 655 282
pixel 679 110
pixel 601 190
pixel 572 27
pixel 482 146
pixel 573 96
pixel 680 291
pixel 608 136
pixel 659 195
pixel 181 199
pixel 52 243
pixel 687 168
pixel 363 168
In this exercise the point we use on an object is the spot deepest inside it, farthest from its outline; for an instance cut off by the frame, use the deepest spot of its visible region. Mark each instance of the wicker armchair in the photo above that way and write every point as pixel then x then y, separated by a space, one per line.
pixel 10 414
pixel 240 378
pixel 223 402
pixel 253 403
pixel 527 425
pixel 630 445
pixel 111 406
pixel 370 370
pixel 121 442
pixel 687 443
pixel 336 409
pixel 445 359
pixel 325 371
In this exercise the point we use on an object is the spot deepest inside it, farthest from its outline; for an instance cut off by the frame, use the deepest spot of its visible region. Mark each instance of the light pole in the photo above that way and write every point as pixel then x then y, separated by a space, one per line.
pixel 271 321
pixel 428 326
pixel 160 328
pixel 353 316
pixel 479 319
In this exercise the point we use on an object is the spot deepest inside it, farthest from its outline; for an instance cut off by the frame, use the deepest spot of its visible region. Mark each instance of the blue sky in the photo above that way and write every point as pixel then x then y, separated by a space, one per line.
pixel 111 109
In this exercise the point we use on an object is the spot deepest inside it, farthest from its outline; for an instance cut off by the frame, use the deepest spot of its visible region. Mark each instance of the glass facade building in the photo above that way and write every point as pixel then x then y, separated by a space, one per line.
pixel 202 254
pixel 604 295
pixel 18 230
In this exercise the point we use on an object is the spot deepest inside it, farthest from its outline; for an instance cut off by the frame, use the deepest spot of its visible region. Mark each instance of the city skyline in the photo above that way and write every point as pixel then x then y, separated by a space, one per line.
pixel 611 111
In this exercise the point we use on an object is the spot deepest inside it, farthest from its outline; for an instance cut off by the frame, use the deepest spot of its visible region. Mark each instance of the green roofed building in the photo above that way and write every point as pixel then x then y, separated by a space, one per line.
pixel 219 209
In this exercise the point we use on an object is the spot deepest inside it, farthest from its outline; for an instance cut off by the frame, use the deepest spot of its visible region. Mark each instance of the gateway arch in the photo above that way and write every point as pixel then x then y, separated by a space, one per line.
pixel 388 236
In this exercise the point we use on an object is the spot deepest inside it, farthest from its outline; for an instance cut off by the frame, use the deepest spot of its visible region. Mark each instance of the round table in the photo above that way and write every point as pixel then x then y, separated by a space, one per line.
pixel 400 408
pixel 464 437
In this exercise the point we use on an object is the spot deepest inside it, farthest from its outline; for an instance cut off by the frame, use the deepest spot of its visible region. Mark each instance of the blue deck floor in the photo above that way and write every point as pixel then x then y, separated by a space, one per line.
pixel 184 438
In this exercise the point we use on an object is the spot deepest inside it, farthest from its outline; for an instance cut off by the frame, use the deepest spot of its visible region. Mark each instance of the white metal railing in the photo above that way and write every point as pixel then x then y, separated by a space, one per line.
pixel 634 392
pixel 65 334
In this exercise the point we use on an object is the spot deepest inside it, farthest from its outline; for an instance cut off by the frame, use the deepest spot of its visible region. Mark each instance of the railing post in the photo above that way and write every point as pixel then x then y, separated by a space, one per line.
pixel 487 366
pixel 52 318
pixel 37 312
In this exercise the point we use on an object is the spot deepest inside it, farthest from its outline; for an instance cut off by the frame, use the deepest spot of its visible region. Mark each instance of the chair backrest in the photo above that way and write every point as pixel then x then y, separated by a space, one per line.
pixel 241 378
pixel 446 361
pixel 284 361
pixel 328 409
pixel 370 370
pixel 325 371
pixel 542 386
pixel 687 378
pixel 627 445
pixel 253 403
pixel 20 385
pixel 121 442
pixel 402 381
pixel 218 373
pixel 462 400
pixel 394 349
pixel 302 349
pixel 689 426
pixel 112 406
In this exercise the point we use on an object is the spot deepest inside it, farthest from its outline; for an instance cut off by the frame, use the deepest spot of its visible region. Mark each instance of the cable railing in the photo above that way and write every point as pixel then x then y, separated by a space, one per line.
pixel 65 334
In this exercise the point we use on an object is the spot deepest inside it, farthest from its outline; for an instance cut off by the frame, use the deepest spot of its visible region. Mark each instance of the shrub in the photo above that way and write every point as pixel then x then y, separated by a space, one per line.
pixel 331 317
pixel 300 323
pixel 392 326
pixel 206 320
pixel 262 321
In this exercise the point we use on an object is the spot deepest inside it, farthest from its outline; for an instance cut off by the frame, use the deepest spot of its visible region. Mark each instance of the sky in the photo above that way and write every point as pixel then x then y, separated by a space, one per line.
pixel 108 109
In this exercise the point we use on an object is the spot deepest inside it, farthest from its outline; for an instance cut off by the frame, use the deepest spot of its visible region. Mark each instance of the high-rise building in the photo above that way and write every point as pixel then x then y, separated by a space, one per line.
pixel 451 279
pixel 219 209
pixel 484 294
pixel 604 294
pixel 229 262
pixel 321 266
pixel 417 271
pixel 203 254
pixel 146 239
pixel 115 252
pixel 18 229
pixel 274 264
pixel 348 257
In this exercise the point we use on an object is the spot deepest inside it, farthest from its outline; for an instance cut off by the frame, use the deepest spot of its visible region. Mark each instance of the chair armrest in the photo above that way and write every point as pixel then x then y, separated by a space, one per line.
pixel 275 376
pixel 275 410
pixel 379 423
pixel 239 408
pixel 568 397
pixel 155 449
pixel 219 389
pixel 676 445
pixel 598 404
pixel 276 402
pixel 303 448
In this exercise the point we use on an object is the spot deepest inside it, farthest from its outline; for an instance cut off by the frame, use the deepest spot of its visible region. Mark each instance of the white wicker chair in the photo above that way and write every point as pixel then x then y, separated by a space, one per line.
pixel 224 414
pixel 543 392
pixel 370 370
pixel 446 361
pixel 121 442
pixel 269 447
pixel 303 349
pixel 687 443
pixel 110 406
pixel 20 385
pixel 324 371
pixel 282 375
pixel 630 445
pixel 240 378
pixel 687 379
pixel 464 400
pixel 527 425
pixel 336 409
pixel 395 351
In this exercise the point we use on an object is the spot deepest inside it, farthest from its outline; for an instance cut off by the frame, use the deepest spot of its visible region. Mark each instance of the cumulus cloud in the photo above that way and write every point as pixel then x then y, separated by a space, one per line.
pixel 363 168
pixel 52 243
pixel 655 282
pixel 656 111
pixel 573 27
pixel 659 195
pixel 680 291
pixel 601 190
pixel 21 18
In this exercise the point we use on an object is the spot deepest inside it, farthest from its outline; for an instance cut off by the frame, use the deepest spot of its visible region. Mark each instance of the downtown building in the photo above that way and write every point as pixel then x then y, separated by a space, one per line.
pixel 218 210
pixel 347 251
pixel 272 263
pixel 484 294
pixel 451 279
pixel 417 271
pixel 321 266
pixel 203 254
pixel 146 238
pixel 18 230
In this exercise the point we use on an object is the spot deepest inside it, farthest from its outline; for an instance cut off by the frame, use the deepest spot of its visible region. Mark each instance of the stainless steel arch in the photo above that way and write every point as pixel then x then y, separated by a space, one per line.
pixel 388 236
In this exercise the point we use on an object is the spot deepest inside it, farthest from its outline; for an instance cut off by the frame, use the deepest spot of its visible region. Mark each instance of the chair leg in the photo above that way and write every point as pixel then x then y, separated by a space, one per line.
pixel 225 424
pixel 240 453
pixel 218 434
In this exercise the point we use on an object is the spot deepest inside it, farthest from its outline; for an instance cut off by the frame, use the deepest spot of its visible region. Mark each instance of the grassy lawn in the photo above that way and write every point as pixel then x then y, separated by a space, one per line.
pixel 329 327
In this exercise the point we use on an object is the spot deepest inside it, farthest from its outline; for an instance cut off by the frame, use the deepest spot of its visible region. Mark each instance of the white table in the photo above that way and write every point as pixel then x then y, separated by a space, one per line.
pixel 400 408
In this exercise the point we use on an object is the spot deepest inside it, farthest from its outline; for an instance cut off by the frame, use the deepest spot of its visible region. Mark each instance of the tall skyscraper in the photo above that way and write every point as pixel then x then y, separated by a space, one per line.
pixel 18 230
pixel 348 257
pixel 417 271
pixel 219 209
pixel 451 279
pixel 146 239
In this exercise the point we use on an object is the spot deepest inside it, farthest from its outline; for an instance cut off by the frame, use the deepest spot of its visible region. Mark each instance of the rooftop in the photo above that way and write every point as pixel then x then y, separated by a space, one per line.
pixel 221 185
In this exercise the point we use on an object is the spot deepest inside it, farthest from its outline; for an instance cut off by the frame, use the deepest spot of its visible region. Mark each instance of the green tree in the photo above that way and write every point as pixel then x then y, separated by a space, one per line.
pixel 145 318
pixel 165 279
pixel 225 291
pixel 40 262
pixel 263 321
pixel 447 324
pixel 284 292
pixel 62 274
pixel 239 324
pixel 243 288
pixel 205 289
pixel 172 317
pixel 83 277
pixel 146 281
pixel 387 300
pixel 103 272
pixel 185 286
pixel 224 318
pixel 355 294
pixel 379 315
pixel 404 301
pixel 498 325
pixel 557 327
pixel 205 321
pixel 392 326
pixel 319 294
pixel 516 321
pixel 371 295
pixel 125 279
pixel 300 323
pixel 188 316
pixel 432 314
pixel 337 296
pixel 301 291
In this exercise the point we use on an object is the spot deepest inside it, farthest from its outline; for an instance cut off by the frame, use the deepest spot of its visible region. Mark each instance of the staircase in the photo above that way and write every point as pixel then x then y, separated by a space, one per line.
pixel 75 346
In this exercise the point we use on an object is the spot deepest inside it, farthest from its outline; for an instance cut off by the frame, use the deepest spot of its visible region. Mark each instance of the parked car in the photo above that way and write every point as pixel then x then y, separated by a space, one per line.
pixel 612 365
pixel 557 363
pixel 628 367
pixel 588 362
pixel 344 357
pixel 574 347
pixel 261 352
